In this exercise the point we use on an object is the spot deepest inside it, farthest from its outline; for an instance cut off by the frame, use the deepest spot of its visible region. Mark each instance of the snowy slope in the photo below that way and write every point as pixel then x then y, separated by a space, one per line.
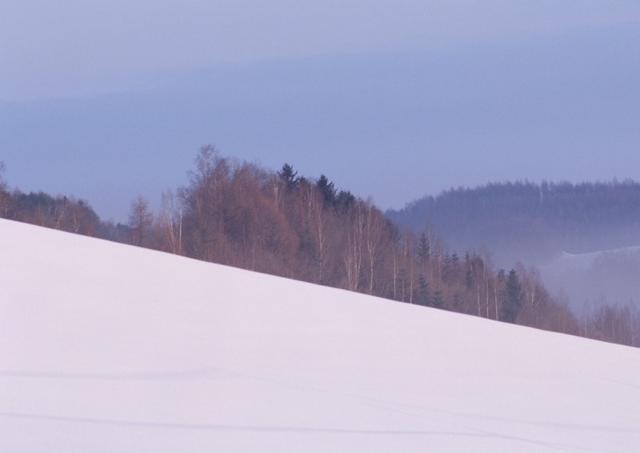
pixel 109 348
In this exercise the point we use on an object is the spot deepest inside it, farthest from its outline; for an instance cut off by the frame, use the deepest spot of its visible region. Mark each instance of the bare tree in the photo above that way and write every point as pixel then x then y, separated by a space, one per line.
pixel 374 234
pixel 203 219
pixel 170 223
pixel 355 245
pixel 140 222
pixel 318 221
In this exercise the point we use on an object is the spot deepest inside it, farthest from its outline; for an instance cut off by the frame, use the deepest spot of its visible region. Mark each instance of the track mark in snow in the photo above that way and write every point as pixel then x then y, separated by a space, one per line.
pixel 404 408
pixel 222 427
pixel 276 429
pixel 142 376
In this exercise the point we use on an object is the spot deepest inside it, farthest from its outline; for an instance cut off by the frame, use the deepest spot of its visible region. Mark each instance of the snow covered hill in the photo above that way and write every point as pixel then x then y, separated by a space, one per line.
pixel 110 348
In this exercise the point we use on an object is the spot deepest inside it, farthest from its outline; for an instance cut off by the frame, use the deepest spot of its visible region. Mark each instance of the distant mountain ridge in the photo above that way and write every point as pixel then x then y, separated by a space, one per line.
pixel 531 222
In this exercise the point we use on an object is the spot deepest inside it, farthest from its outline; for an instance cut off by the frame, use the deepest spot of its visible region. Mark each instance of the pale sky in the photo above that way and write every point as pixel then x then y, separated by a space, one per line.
pixel 53 49
pixel 395 99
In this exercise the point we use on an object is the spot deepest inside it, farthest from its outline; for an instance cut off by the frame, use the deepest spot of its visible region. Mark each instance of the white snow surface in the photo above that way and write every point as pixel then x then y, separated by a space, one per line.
pixel 111 348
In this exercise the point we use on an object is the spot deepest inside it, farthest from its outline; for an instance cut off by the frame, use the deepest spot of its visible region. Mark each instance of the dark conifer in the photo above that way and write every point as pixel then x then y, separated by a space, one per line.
pixel 424 297
pixel 438 300
pixel 513 300
pixel 328 190
pixel 289 176
pixel 424 249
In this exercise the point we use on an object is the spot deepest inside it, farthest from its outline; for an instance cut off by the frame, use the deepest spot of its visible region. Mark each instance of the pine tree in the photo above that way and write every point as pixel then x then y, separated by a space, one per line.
pixel 424 250
pixel 438 300
pixel 468 280
pixel 424 298
pixel 344 201
pixel 289 176
pixel 328 190
pixel 513 300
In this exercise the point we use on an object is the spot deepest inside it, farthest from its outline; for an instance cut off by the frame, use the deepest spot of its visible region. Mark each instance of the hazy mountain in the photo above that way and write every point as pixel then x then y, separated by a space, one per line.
pixel 574 231
pixel 531 222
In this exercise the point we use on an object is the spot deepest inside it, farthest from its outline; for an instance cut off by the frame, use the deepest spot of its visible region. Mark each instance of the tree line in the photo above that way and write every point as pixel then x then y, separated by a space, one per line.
pixel 285 224
pixel 514 219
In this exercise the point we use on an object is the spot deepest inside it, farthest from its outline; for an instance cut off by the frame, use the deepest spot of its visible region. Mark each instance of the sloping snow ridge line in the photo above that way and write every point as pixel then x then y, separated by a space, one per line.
pixel 111 348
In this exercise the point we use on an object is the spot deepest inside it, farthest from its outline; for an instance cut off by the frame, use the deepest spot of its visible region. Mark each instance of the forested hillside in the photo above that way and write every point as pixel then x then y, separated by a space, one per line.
pixel 281 223
pixel 529 222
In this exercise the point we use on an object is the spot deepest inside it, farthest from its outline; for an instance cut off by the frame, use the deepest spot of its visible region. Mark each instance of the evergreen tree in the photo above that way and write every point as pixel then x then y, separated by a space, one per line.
pixel 423 291
pixel 438 300
pixel 513 300
pixel 446 269
pixel 344 201
pixel 328 190
pixel 289 176
pixel 424 249
pixel 468 280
